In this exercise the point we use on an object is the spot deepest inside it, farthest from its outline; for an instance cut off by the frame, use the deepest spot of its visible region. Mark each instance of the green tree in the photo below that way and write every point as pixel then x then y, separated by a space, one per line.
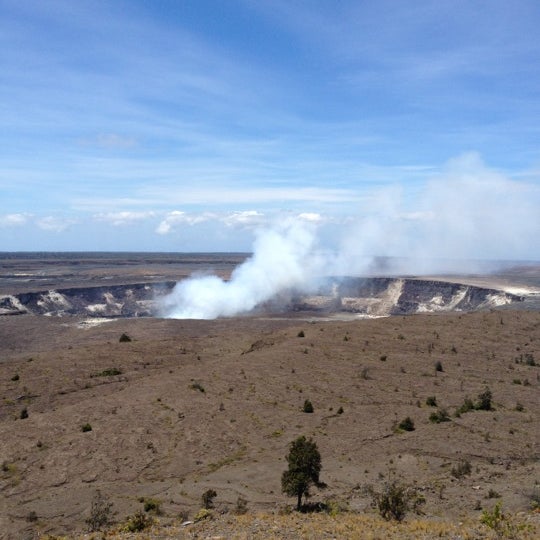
pixel 304 462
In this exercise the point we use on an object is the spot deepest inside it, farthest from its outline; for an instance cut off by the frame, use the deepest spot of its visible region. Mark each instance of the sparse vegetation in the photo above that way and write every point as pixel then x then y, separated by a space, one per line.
pixel 308 406
pixel 15 377
pixel 110 372
pixel 431 401
pixel 304 468
pixel 395 500
pixel 439 366
pixel 24 414
pixel 461 469
pixel 484 401
pixel 86 427
pixel 138 522
pixel 441 415
pixel 503 526
pixel 301 334
pixel 407 424
pixel 197 386
pixel 100 512
pixel 152 506
pixel 208 498
pixel 124 338
pixel 241 506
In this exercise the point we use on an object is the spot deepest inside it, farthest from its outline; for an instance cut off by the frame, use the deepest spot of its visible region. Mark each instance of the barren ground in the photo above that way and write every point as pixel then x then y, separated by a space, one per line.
pixel 215 404
pixel 156 434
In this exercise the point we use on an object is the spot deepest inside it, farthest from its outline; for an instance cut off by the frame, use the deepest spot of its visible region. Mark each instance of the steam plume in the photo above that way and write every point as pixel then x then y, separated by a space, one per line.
pixel 467 214
pixel 283 258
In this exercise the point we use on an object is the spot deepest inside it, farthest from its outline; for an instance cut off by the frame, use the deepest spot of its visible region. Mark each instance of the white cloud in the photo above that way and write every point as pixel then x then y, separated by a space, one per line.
pixel 246 218
pixel 124 217
pixel 312 217
pixel 54 224
pixel 176 217
pixel 13 220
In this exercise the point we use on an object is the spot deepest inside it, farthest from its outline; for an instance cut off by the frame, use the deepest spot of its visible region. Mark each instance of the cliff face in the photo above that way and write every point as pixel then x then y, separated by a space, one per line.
pixel 401 296
pixel 135 300
pixel 368 296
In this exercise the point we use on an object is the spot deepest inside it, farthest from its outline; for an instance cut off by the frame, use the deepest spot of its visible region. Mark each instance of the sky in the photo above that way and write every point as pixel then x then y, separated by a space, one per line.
pixel 192 125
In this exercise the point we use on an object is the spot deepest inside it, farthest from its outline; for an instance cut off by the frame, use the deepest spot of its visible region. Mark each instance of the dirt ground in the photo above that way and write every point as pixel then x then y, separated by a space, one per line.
pixel 187 406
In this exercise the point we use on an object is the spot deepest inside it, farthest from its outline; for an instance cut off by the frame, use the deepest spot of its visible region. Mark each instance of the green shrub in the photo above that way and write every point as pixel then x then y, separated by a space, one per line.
pixel 431 401
pixel 467 406
pixel 110 372
pixel 208 498
pixel 152 505
pixel 484 401
pixel 463 468
pixel 203 513
pixel 138 522
pixel 407 424
pixel 395 500
pixel 197 386
pixel 440 416
pixel 86 427
pixel 308 406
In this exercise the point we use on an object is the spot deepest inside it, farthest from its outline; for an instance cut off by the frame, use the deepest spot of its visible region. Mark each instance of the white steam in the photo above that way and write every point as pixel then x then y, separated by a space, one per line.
pixel 466 215
pixel 283 258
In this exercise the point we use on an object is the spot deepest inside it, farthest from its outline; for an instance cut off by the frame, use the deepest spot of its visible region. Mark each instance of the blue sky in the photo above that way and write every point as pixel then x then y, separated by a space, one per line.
pixel 188 125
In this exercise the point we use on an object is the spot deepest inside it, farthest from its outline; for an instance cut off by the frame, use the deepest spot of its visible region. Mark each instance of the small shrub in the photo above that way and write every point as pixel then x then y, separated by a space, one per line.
pixel 100 513
pixel 340 410
pixel 395 500
pixel 383 358
pixel 241 506
pixel 431 401
pixel 138 522
pixel 519 407
pixel 124 338
pixel 438 366
pixel 24 414
pixel 203 513
pixel 492 494
pixel 407 424
pixel 529 360
pixel 152 505
pixel 463 468
pixel 484 401
pixel 467 406
pixel 503 525
pixel 15 377
pixel 534 497
pixel 86 427
pixel 110 372
pixel 301 334
pixel 197 386
pixel 208 498
pixel 440 416
pixel 308 406
pixel 31 517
